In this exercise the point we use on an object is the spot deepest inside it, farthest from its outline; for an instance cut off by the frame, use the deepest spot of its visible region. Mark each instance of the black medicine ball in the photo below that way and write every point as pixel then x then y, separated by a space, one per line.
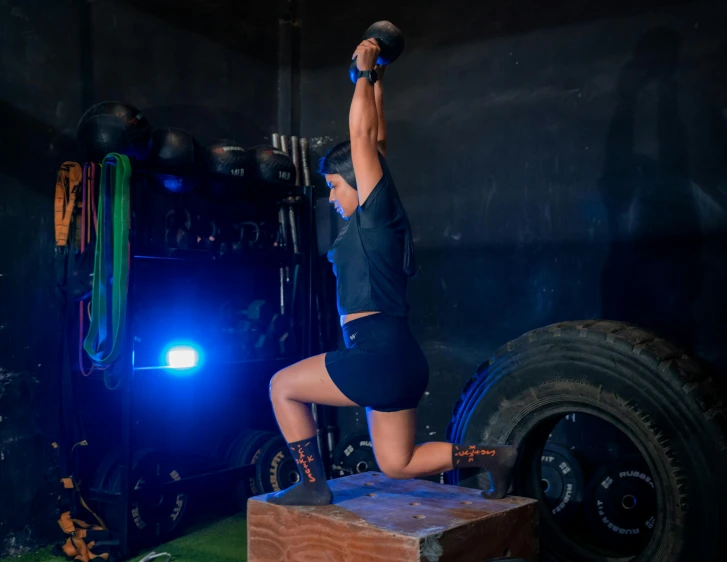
pixel 226 158
pixel 227 164
pixel 113 126
pixel 174 159
pixel 273 165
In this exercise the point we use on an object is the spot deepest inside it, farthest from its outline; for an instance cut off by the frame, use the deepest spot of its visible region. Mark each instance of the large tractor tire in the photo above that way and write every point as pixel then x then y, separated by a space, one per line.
pixel 664 402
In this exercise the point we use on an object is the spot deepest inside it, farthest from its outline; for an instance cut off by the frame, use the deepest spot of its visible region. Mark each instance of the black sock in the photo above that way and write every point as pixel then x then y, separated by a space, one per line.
pixel 498 461
pixel 313 488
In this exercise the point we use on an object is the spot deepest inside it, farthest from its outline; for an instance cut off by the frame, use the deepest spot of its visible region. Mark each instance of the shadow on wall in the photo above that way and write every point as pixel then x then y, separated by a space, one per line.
pixel 209 123
pixel 30 321
pixel 32 149
pixel 439 24
pixel 652 276
pixel 32 313
pixel 239 25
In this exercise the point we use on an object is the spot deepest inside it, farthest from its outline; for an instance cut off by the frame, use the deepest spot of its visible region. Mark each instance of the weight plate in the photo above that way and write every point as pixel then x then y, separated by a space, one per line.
pixel 254 443
pixel 238 447
pixel 620 505
pixel 252 487
pixel 224 444
pixel 354 454
pixel 562 482
pixel 275 466
pixel 104 468
pixel 246 453
pixel 160 515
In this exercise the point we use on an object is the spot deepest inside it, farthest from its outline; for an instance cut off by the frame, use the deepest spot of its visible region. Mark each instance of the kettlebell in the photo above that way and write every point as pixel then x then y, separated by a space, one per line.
pixel 390 40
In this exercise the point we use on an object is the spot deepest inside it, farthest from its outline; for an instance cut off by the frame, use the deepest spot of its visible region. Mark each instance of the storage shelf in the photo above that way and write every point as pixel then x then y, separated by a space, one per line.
pixel 205 275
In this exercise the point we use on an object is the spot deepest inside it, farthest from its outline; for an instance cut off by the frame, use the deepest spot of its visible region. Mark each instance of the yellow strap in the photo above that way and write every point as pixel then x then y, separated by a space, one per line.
pixel 66 519
pixel 69 178
pixel 92 512
pixel 81 524
pixel 69 549
pixel 75 547
pixel 66 523
pixel 82 549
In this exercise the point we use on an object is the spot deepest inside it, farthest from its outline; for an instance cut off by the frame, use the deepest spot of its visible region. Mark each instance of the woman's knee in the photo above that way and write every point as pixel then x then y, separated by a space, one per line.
pixel 277 389
pixel 396 467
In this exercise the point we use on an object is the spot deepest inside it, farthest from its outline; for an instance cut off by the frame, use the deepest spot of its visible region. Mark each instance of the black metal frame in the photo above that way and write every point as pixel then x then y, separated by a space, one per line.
pixel 123 499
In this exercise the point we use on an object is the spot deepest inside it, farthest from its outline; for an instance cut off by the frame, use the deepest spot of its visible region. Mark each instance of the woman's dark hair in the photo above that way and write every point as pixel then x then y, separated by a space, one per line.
pixel 338 161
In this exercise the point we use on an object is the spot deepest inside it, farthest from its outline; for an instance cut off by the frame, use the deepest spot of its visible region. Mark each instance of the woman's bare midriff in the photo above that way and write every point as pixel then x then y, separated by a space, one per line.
pixel 355 315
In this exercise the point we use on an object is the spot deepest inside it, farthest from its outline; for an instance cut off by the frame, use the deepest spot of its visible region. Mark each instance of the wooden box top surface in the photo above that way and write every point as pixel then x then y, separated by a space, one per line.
pixel 416 508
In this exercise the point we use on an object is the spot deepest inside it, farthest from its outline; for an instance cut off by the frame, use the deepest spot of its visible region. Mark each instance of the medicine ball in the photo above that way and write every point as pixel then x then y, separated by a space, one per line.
pixel 174 158
pixel 113 126
pixel 227 163
pixel 226 158
pixel 273 165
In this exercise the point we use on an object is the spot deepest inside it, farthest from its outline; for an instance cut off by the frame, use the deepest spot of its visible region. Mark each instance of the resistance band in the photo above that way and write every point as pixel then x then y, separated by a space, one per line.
pixel 89 224
pixel 104 340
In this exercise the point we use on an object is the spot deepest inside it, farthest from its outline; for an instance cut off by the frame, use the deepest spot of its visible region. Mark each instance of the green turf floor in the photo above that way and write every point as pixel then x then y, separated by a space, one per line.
pixel 224 540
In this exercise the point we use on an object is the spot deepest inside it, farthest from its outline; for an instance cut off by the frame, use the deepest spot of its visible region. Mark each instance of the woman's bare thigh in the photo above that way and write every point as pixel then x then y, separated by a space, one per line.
pixel 308 381
pixel 393 435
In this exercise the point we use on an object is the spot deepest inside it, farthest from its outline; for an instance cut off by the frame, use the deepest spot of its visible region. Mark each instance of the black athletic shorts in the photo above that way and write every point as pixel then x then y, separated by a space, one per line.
pixel 382 367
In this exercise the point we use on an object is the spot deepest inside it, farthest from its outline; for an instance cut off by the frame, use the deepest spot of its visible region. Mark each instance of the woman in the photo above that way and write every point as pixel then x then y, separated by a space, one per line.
pixel 382 368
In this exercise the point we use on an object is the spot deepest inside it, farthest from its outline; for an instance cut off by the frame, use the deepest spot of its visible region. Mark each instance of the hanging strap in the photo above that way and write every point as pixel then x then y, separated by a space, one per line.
pixel 84 208
pixel 93 181
pixel 90 225
pixel 103 342
pixel 67 182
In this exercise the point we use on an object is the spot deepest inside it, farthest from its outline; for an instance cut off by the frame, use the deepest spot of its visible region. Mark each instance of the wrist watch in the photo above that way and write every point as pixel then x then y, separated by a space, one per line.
pixel 370 75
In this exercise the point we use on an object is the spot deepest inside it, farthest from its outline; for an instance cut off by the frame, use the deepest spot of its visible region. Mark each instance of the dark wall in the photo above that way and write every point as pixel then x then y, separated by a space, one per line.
pixel 209 67
pixel 557 163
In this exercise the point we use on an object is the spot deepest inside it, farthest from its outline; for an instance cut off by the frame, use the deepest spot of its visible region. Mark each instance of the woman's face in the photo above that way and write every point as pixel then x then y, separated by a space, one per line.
pixel 342 196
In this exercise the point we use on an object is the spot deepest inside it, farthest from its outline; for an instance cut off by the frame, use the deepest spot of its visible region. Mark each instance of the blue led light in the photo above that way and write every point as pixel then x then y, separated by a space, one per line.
pixel 182 357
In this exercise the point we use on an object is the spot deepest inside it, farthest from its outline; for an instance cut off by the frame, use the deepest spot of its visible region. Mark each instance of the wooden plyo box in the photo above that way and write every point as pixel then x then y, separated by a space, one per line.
pixel 376 519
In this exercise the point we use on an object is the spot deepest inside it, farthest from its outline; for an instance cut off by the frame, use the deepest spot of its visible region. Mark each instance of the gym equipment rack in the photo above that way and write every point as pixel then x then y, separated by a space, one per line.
pixel 131 375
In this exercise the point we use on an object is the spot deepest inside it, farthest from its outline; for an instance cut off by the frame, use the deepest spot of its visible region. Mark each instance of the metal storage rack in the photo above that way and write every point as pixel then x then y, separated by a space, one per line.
pixel 132 375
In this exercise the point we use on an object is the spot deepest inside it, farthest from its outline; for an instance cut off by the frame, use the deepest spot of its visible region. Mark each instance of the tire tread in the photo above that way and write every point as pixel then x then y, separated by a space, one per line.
pixel 685 381
pixel 693 378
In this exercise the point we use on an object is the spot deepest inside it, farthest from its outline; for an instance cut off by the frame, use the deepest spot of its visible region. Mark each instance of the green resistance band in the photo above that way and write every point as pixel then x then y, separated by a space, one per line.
pixel 105 336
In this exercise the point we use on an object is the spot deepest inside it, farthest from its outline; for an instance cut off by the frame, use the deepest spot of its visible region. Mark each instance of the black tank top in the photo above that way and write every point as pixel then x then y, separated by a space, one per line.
pixel 368 254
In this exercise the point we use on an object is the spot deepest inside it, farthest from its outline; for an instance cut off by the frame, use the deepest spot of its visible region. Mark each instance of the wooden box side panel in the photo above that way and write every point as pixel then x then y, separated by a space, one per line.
pixel 508 533
pixel 279 534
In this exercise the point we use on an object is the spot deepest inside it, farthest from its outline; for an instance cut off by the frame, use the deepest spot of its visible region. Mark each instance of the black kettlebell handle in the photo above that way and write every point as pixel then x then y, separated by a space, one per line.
pixel 353 68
